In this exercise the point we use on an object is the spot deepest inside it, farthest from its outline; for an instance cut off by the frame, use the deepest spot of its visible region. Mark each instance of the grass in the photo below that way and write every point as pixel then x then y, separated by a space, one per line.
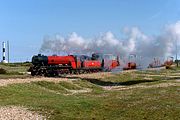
pixel 69 86
pixel 15 70
pixel 56 100
pixel 153 103
pixel 50 86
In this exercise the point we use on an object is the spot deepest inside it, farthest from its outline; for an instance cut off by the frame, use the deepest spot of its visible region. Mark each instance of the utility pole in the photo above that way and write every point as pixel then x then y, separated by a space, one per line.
pixel 176 53
pixel 8 50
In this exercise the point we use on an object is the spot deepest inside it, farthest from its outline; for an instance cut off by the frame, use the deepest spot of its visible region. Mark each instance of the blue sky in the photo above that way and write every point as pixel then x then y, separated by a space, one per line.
pixel 25 22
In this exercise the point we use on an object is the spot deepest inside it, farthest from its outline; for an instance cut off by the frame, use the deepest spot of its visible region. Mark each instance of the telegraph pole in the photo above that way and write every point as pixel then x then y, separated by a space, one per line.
pixel 176 53
pixel 8 50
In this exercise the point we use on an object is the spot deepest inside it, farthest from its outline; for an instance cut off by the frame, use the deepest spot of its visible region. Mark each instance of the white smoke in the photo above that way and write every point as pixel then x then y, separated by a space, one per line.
pixel 135 42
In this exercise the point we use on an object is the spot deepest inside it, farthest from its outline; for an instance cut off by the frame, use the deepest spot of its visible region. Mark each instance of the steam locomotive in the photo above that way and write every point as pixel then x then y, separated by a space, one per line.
pixel 72 64
pixel 130 66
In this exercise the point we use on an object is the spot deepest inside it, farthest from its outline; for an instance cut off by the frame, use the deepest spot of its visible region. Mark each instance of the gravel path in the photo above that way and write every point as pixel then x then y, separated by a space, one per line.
pixel 5 82
pixel 18 113
pixel 98 75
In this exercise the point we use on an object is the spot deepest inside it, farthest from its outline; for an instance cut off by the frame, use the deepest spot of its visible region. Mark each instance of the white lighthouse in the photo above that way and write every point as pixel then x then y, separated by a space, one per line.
pixel 4 53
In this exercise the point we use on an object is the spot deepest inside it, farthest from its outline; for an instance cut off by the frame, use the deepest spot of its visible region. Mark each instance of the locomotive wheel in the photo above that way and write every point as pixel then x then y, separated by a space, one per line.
pixel 43 72
pixel 71 71
pixel 33 73
pixel 75 72
pixel 51 74
pixel 33 70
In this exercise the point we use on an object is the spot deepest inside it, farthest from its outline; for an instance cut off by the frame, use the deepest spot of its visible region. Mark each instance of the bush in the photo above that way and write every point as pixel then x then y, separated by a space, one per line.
pixel 3 71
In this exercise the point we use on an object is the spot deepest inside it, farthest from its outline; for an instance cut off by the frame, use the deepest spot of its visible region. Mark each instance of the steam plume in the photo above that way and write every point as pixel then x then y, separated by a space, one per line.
pixel 135 42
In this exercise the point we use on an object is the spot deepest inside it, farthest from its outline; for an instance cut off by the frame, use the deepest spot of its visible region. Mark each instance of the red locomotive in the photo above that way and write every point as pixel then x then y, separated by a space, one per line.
pixel 130 66
pixel 169 62
pixel 55 65
pixel 157 63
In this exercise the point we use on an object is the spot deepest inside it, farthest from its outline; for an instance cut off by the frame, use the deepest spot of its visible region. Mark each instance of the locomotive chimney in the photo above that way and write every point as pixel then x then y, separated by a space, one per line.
pixel 4 53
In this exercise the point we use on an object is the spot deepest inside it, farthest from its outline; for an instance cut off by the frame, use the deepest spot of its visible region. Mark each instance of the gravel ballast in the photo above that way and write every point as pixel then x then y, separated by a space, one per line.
pixel 18 113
